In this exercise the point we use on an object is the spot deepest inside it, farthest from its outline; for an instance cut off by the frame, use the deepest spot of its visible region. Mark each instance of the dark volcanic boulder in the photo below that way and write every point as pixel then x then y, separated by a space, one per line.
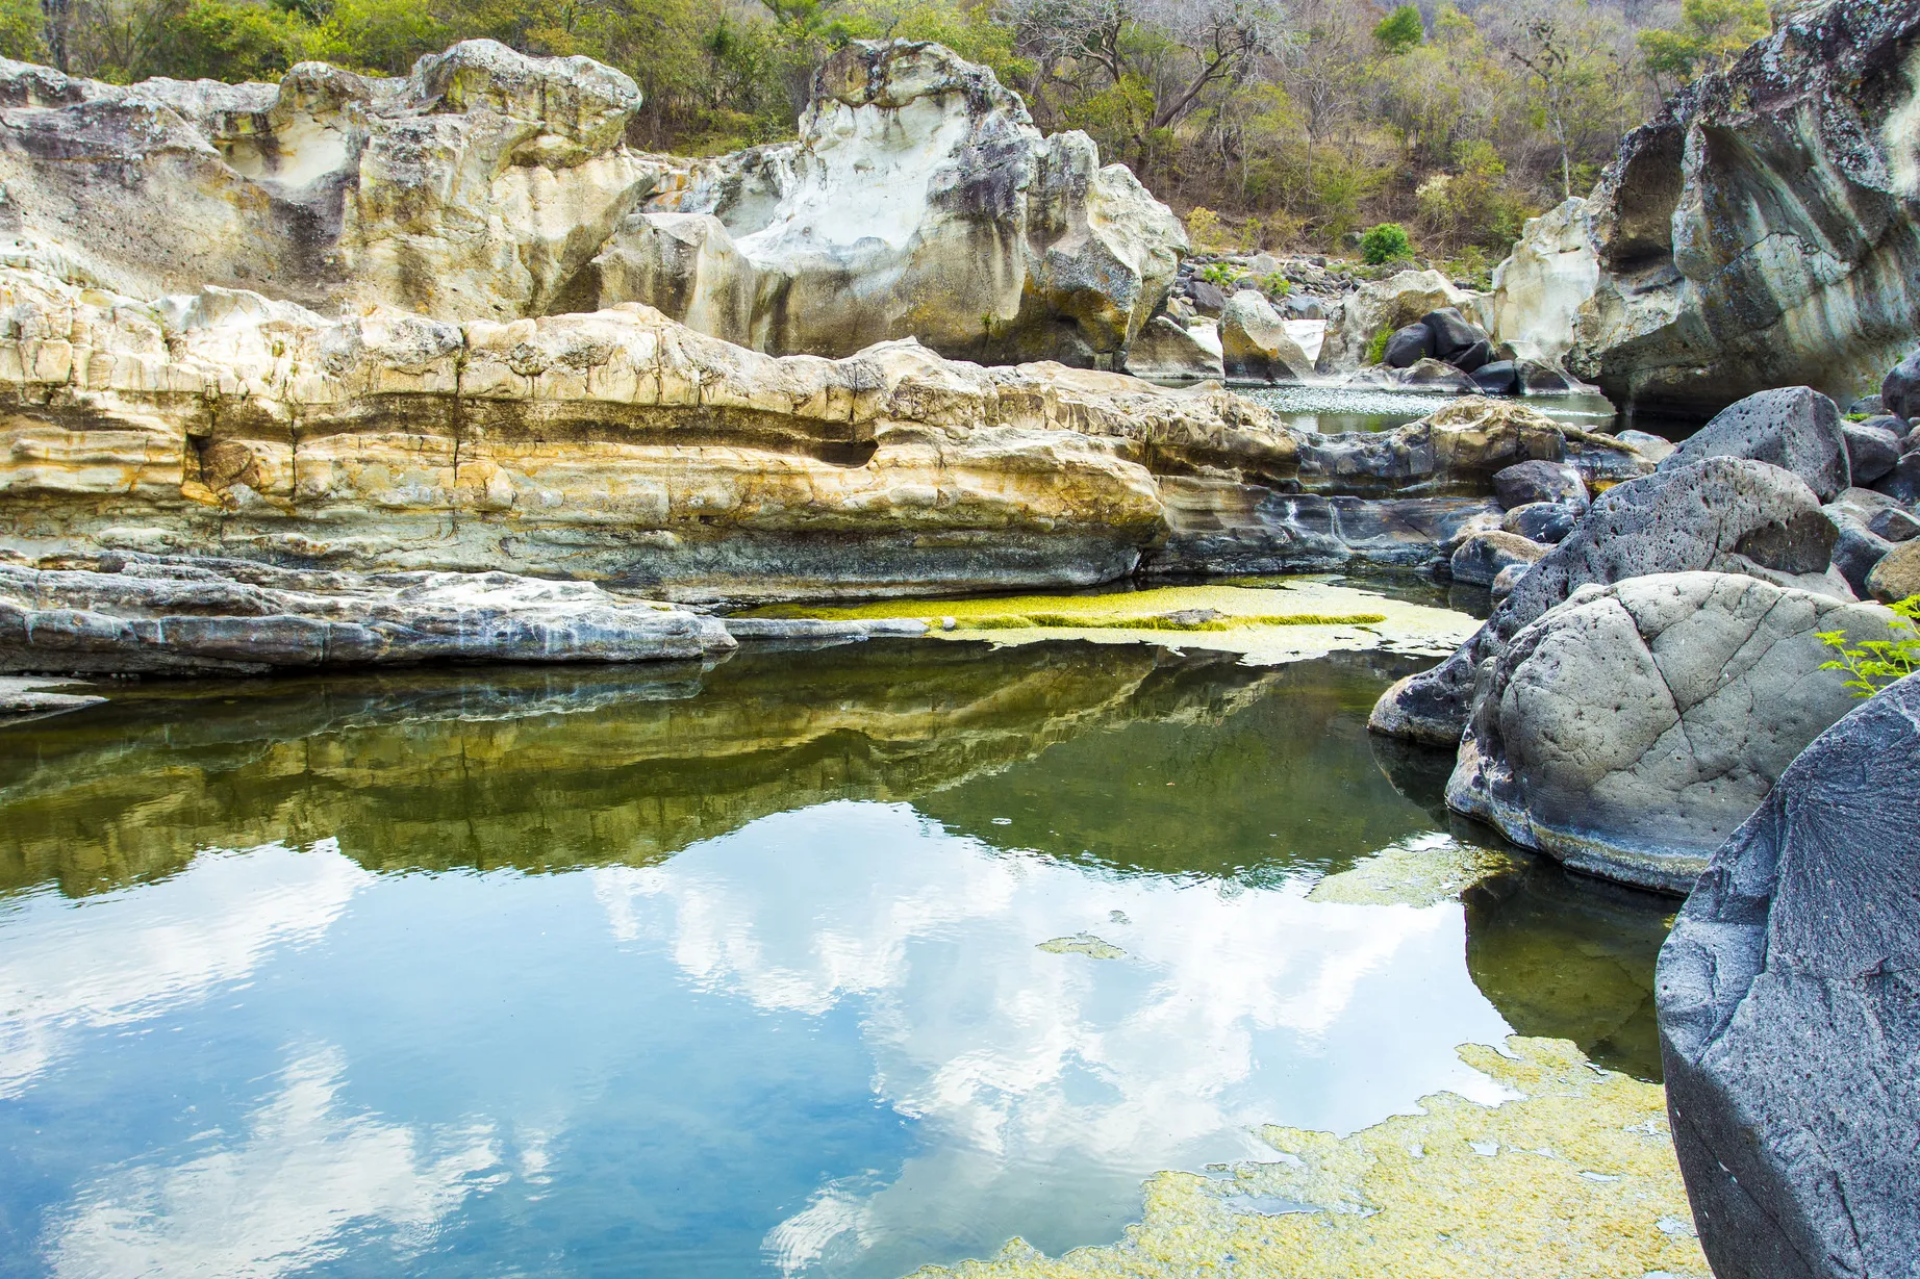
pixel 1408 346
pixel 1793 427
pixel 1857 550
pixel 1474 358
pixel 1502 377
pixel 1893 524
pixel 1902 483
pixel 1900 390
pixel 1207 297
pixel 1871 450
pixel 1727 515
pixel 1481 557
pixel 1452 332
pixel 1628 731
pixel 1542 379
pixel 1544 522
pixel 1789 1004
pixel 1526 482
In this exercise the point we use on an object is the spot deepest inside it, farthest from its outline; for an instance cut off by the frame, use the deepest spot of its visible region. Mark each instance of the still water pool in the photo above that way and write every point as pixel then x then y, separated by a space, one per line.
pixel 812 963
pixel 1333 409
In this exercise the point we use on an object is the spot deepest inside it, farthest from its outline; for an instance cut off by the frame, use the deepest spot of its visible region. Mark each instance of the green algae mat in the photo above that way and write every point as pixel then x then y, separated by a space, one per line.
pixel 1268 621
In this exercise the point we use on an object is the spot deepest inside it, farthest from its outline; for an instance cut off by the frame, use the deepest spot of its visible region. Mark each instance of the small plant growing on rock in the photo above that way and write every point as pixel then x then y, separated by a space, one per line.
pixel 1385 243
pixel 1219 273
pixel 1871 665
pixel 1276 285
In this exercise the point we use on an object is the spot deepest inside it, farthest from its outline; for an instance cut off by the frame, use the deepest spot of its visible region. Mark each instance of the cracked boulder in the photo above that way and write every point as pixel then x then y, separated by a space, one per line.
pixel 1629 730
pixel 1724 515
pixel 1786 995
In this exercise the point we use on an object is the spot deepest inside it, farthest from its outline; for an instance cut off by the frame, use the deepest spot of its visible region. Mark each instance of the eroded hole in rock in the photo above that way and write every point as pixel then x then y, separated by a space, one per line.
pixel 1649 192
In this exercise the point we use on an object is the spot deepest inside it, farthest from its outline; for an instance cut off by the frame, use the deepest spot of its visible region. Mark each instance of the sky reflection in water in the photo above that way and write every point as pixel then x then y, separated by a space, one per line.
pixel 723 972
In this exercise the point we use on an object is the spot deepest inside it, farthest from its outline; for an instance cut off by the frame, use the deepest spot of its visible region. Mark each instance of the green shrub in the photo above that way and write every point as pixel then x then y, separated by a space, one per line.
pixel 1385 243
pixel 1871 665
pixel 1377 349
pixel 1219 273
pixel 1276 285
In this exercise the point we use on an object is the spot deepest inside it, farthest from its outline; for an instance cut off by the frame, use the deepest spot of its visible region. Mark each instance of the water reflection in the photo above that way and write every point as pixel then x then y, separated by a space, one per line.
pixel 740 969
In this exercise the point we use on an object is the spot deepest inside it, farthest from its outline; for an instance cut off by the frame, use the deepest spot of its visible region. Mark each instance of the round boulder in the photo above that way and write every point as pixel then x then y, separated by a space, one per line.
pixel 1544 522
pixel 1501 377
pixel 1897 575
pixel 1452 332
pixel 1408 346
pixel 1482 556
pixel 1527 482
pixel 1630 730
pixel 1900 390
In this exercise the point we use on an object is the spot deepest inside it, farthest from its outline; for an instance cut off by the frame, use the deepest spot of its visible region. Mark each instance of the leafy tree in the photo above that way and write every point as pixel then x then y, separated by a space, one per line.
pixel 1400 31
pixel 1711 34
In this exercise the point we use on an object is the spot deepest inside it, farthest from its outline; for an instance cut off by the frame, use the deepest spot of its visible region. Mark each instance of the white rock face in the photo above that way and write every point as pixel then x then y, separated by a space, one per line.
pixel 920 200
pixel 486 185
pixel 1539 290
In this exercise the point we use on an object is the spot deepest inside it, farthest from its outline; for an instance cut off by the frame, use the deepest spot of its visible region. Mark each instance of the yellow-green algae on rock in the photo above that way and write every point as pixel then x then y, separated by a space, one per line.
pixel 1276 620
pixel 1573 1179
pixel 1419 871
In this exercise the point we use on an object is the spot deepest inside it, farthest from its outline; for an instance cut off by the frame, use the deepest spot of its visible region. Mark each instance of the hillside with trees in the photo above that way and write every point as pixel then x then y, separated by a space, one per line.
pixel 1269 124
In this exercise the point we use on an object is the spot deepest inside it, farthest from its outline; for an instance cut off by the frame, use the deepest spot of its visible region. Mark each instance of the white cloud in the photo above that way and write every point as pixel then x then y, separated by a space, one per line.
pixel 280 1198
pixel 1232 1008
pixel 131 955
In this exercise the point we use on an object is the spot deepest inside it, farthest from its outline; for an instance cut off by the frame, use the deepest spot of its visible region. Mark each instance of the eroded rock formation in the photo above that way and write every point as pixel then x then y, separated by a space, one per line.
pixel 919 201
pixel 1762 231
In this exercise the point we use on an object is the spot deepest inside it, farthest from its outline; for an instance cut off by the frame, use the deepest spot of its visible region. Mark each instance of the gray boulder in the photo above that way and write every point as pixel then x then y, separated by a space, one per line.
pixel 1437 375
pixel 1902 483
pixel 1858 549
pixel 1474 358
pixel 1408 346
pixel 1629 730
pixel 1537 378
pixel 1726 515
pixel 1786 997
pixel 1897 575
pixel 1893 524
pixel 1168 352
pixel 1794 427
pixel 1899 426
pixel 1207 297
pixel 1546 522
pixel 1871 450
pixel 1900 389
pixel 1481 557
pixel 1526 482
pixel 1653 447
pixel 1255 344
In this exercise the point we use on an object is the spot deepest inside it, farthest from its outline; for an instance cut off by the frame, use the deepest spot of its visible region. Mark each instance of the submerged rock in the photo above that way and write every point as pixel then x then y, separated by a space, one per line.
pixel 1726 515
pixel 1786 997
pixel 1629 730
pixel 147 614
pixel 1761 231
